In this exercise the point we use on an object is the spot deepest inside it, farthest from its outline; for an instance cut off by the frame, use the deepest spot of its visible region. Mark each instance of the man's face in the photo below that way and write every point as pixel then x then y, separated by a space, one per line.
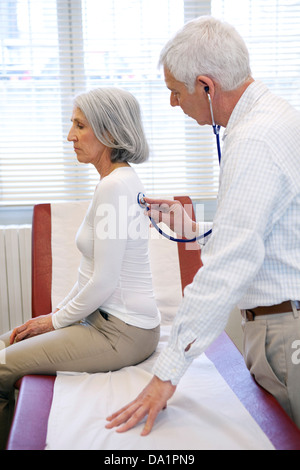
pixel 194 105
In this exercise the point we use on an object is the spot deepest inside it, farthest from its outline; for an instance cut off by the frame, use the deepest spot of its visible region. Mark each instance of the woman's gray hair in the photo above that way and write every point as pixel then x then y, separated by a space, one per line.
pixel 115 117
pixel 207 46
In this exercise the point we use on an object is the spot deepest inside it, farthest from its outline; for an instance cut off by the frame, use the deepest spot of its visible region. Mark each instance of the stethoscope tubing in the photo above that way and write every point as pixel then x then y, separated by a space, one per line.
pixel 179 240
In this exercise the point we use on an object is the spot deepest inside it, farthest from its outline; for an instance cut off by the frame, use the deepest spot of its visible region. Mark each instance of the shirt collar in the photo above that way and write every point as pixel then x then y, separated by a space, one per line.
pixel 252 94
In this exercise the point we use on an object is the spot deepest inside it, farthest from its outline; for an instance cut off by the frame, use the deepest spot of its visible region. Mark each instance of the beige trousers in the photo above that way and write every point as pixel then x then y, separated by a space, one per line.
pixel 272 355
pixel 96 345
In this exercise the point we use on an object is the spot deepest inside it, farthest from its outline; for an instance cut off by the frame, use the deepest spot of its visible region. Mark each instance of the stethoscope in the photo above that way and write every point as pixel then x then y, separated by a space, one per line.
pixel 141 197
pixel 216 128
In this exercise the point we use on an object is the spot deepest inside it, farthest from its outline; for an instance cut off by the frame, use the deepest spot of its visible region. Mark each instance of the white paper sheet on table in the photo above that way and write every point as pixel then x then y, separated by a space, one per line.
pixel 204 413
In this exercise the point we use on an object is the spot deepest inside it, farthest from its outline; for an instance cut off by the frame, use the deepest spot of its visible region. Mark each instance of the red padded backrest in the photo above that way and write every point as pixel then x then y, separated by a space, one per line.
pixel 189 253
pixel 41 260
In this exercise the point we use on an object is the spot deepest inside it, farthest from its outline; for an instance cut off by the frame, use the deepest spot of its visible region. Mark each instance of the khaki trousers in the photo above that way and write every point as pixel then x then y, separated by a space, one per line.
pixel 272 355
pixel 96 345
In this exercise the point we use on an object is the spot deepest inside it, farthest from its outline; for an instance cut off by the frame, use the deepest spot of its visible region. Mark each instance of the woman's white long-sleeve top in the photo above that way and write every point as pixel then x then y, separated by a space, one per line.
pixel 114 272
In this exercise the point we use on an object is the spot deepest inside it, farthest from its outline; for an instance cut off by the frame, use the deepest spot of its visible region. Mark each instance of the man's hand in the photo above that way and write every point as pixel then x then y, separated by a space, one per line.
pixel 174 215
pixel 35 326
pixel 150 402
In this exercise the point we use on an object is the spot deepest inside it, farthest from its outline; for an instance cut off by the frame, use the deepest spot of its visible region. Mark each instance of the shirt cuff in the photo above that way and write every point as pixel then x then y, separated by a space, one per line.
pixel 55 323
pixel 171 365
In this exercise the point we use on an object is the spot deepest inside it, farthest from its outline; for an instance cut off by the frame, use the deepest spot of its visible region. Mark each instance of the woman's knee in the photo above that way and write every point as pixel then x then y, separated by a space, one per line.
pixel 4 340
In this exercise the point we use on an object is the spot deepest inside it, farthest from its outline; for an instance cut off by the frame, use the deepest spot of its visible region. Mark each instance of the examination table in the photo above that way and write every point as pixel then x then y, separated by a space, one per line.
pixel 50 282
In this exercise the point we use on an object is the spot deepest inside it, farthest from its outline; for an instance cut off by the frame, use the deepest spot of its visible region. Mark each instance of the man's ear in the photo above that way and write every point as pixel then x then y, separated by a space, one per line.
pixel 206 84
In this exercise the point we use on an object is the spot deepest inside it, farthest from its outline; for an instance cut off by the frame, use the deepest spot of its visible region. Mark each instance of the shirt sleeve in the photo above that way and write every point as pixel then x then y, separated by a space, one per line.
pixel 109 251
pixel 249 192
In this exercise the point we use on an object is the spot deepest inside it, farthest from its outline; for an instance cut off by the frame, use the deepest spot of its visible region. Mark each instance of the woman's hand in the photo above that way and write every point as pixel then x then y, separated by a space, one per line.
pixel 150 402
pixel 35 326
pixel 174 215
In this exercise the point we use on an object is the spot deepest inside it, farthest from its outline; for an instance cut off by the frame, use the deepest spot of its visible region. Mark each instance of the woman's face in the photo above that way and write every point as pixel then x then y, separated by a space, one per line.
pixel 86 145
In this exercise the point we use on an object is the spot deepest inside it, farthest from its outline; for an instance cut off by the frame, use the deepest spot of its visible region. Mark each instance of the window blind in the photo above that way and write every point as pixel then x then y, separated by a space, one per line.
pixel 50 50
pixel 271 31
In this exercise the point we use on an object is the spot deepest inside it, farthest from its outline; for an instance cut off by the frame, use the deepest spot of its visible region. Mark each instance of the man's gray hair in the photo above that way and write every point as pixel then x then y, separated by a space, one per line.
pixel 115 117
pixel 207 46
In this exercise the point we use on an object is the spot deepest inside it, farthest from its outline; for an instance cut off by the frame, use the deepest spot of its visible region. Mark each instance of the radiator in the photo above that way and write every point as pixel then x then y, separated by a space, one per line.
pixel 15 276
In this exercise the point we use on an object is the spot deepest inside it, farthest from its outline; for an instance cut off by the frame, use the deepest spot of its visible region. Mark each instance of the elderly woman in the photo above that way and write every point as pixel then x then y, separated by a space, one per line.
pixel 109 320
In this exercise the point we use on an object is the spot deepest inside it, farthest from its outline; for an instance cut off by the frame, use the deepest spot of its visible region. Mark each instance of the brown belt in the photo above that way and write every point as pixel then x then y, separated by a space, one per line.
pixel 271 309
